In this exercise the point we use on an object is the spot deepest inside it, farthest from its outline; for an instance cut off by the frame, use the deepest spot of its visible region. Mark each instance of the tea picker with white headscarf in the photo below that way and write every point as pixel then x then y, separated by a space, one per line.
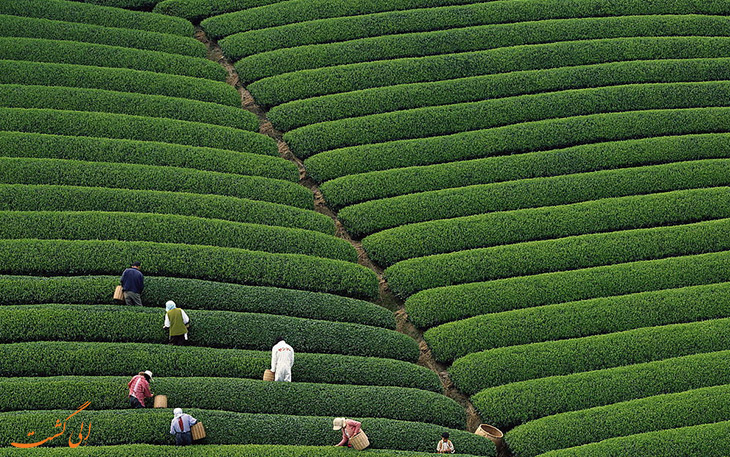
pixel 180 427
pixel 177 321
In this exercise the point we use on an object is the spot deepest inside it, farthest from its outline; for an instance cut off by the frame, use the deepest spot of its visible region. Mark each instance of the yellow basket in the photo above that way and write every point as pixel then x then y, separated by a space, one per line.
pixel 198 431
pixel 493 433
pixel 160 401
pixel 360 441
pixel 269 375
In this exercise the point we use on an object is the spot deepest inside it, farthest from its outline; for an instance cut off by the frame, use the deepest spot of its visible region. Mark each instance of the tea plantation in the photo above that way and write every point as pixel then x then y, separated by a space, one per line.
pixel 510 212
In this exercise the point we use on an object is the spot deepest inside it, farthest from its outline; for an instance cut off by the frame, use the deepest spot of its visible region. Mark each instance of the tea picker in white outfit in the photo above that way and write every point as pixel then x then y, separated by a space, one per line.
pixel 282 359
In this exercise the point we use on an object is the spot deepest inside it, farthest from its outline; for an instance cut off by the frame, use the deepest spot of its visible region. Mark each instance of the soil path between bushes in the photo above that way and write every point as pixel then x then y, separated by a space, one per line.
pixel 387 298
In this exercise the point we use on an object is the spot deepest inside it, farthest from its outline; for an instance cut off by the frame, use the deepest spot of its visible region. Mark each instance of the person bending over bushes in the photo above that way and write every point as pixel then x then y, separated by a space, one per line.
pixel 132 284
pixel 282 359
pixel 139 389
pixel 180 427
pixel 178 322
pixel 349 429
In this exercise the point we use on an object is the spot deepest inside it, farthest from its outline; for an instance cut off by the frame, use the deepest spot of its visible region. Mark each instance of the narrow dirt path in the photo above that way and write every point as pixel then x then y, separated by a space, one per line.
pixel 387 299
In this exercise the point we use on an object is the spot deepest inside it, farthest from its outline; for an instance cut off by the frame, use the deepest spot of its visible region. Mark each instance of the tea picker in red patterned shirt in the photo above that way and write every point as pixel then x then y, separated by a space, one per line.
pixel 139 389
pixel 282 359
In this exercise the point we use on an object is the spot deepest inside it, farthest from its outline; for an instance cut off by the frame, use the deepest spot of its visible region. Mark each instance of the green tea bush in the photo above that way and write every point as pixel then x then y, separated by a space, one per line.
pixel 374 185
pixel 506 227
pixel 219 329
pixel 118 79
pixel 98 15
pixel 417 95
pixel 444 304
pixel 707 440
pixel 239 395
pixel 152 427
pixel 21 197
pixel 74 52
pixel 569 253
pixel 167 228
pixel 28 27
pixel 578 319
pixel 467 39
pixel 369 217
pixel 63 358
pixel 451 119
pixel 214 450
pixel 196 294
pixel 149 177
pixel 294 271
pixel 351 27
pixel 145 5
pixel 694 407
pixel 517 138
pixel 343 78
pixel 197 10
pixel 518 363
pixel 91 149
pixel 95 100
pixel 124 126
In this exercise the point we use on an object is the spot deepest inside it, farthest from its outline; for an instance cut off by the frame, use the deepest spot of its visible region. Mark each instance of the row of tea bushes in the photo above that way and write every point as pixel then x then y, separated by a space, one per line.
pixel 219 329
pixel 197 294
pixel 66 358
pixel 239 395
pixel 197 10
pixel 295 271
pixel 21 197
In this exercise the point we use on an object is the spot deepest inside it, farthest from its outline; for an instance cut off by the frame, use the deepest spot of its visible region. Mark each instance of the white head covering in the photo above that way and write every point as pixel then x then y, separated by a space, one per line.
pixel 170 305
pixel 338 423
pixel 149 373
pixel 177 412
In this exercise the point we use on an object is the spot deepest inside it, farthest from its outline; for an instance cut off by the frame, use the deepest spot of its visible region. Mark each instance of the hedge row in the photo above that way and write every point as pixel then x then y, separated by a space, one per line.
pixel 694 407
pixel 451 119
pixel 467 39
pixel 63 358
pixel 91 149
pixel 98 15
pixel 238 395
pixel 445 304
pixel 344 78
pixel 569 253
pixel 409 96
pixel 449 17
pixel 213 450
pixel 131 176
pixel 295 271
pixel 707 440
pixel 117 79
pixel 374 185
pixel 156 106
pixel 537 360
pixel 518 138
pixel 28 27
pixel 167 228
pixel 369 217
pixel 219 329
pixel 519 402
pixel 153 426
pixel 579 319
pixel 506 227
pixel 73 52
pixel 124 126
pixel 145 5
pixel 196 294
pixel 197 10
pixel 20 197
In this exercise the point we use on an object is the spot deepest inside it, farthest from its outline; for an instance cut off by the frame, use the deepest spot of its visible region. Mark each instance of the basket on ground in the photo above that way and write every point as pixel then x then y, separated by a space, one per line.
pixel 360 441
pixel 493 433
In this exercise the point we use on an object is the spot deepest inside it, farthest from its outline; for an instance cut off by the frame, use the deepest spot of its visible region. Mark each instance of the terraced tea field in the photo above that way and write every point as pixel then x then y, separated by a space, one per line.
pixel 511 212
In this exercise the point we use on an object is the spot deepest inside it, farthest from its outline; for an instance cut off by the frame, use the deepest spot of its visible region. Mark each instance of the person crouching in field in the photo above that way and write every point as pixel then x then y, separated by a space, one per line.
pixel 177 321
pixel 282 359
pixel 139 389
pixel 349 429
pixel 180 427
pixel 445 446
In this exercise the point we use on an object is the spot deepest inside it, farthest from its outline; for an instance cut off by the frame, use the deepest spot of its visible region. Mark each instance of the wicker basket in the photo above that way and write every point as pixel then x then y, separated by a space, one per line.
pixel 269 375
pixel 493 433
pixel 360 441
pixel 119 293
pixel 198 431
pixel 160 401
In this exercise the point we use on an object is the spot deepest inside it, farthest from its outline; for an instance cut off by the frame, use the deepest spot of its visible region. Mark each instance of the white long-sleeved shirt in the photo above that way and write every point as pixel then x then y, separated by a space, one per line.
pixel 445 447
pixel 185 317
pixel 282 356
pixel 187 421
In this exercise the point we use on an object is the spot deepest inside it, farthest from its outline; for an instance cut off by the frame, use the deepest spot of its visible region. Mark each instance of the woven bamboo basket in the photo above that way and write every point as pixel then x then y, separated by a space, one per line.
pixel 160 401
pixel 360 441
pixel 198 431
pixel 119 293
pixel 493 433
pixel 269 375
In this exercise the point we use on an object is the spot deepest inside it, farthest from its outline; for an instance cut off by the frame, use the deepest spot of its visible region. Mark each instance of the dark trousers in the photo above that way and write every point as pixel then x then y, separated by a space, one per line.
pixel 135 402
pixel 178 340
pixel 132 298
pixel 183 439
